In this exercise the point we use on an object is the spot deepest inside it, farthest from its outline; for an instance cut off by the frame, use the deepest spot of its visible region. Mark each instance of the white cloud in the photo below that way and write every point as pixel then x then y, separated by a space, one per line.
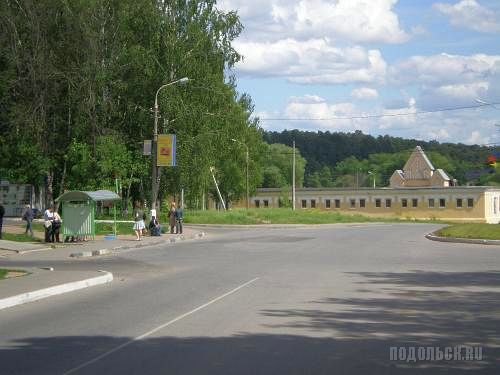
pixel 449 80
pixel 479 138
pixel 355 20
pixel 444 69
pixel 461 126
pixel 312 61
pixel 364 93
pixel 470 14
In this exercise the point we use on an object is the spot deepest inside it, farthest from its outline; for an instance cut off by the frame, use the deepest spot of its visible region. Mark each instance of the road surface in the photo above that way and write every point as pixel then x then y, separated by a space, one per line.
pixel 311 300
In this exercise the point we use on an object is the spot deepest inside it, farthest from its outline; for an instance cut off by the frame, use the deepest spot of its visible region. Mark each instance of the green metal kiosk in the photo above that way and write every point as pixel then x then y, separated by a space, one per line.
pixel 79 209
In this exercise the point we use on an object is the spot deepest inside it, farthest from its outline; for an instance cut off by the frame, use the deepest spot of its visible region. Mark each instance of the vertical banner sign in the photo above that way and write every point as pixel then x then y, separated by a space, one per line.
pixel 166 150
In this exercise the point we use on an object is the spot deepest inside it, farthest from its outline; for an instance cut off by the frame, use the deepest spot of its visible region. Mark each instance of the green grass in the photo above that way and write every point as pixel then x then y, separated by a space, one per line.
pixel 19 237
pixel 276 216
pixel 4 272
pixel 476 231
pixel 107 228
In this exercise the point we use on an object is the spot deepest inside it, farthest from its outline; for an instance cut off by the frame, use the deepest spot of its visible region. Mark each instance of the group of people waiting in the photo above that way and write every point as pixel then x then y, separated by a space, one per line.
pixel 175 217
pixel 52 223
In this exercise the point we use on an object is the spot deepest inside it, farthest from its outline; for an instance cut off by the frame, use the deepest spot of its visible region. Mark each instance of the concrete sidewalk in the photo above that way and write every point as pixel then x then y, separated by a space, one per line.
pixel 100 246
pixel 41 283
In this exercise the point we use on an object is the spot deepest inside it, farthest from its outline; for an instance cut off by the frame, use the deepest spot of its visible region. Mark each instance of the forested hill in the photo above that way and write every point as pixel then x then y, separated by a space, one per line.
pixel 322 149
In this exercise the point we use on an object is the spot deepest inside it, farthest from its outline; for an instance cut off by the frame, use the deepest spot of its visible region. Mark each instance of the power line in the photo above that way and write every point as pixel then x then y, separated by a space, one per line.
pixel 361 117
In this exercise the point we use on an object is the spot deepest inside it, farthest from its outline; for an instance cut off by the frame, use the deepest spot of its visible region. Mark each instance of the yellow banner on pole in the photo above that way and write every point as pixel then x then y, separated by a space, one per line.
pixel 166 150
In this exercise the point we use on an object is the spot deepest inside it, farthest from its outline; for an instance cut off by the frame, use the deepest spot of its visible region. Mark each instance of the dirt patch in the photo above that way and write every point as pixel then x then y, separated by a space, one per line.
pixel 11 274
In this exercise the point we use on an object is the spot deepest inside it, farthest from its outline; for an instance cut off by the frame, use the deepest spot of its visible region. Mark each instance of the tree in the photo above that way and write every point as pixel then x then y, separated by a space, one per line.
pixel 278 163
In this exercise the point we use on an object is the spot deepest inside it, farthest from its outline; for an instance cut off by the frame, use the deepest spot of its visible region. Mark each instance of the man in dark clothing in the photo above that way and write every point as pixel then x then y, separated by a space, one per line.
pixel 2 212
pixel 178 220
pixel 28 217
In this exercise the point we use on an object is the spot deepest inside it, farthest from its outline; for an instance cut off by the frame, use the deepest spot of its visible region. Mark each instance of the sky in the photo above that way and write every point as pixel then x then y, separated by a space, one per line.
pixel 379 66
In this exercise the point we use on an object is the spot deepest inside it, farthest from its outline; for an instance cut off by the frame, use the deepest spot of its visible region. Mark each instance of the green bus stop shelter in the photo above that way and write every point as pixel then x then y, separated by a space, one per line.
pixel 79 209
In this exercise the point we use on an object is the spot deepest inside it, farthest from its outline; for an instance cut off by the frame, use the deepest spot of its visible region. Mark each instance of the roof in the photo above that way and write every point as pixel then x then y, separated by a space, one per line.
pixel 424 156
pixel 443 174
pixel 80 196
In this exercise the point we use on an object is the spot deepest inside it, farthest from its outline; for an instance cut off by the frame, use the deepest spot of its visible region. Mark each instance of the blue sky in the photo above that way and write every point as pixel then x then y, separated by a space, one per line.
pixel 339 59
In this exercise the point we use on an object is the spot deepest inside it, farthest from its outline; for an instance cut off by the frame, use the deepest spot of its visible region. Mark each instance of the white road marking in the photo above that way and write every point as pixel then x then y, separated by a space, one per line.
pixel 160 327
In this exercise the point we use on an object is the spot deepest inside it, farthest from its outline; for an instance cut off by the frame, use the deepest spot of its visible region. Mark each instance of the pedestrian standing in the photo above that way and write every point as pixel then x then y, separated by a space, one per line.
pixel 56 226
pixel 2 213
pixel 138 221
pixel 28 217
pixel 171 217
pixel 178 220
pixel 48 217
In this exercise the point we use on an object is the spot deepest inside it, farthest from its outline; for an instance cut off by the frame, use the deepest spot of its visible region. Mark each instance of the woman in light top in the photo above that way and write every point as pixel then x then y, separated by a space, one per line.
pixel 138 221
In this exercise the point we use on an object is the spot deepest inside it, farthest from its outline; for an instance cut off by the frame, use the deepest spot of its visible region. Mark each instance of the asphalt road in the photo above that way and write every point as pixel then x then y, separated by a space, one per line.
pixel 312 300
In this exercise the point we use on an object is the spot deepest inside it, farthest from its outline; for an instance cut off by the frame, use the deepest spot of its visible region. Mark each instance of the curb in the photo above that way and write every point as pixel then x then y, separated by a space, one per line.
pixel 87 254
pixel 433 237
pixel 36 295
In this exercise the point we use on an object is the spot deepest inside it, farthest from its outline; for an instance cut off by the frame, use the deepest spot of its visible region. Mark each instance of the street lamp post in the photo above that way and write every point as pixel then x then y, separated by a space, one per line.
pixel 246 147
pixel 155 176
pixel 373 175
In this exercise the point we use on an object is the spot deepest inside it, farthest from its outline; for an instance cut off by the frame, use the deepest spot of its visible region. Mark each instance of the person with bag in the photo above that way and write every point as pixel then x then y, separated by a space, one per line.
pixel 28 217
pixel 56 226
pixel 138 221
pixel 48 216
pixel 154 227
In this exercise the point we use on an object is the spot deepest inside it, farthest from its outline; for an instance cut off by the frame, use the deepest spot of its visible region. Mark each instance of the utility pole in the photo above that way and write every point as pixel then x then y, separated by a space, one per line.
pixel 293 177
pixel 217 187
pixel 155 176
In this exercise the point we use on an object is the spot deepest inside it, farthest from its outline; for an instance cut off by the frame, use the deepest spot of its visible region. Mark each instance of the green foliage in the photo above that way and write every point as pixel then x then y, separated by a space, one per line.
pixel 322 149
pixel 78 79
pixel 278 166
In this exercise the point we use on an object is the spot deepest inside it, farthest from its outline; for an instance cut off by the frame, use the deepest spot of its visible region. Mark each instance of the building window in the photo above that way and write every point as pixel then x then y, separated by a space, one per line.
pixel 404 202
pixel 470 202
pixel 388 203
pixel 378 203
pixel 266 203
pixel 362 203
pixel 337 203
pixel 257 203
pixel 327 203
pixel 431 202
pixel 304 203
pixel 352 203
pixel 442 203
pixel 459 203
pixel 313 203
pixel 414 202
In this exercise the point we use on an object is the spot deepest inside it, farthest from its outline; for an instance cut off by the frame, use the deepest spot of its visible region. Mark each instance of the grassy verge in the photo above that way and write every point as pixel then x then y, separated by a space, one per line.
pixel 476 231
pixel 19 237
pixel 4 273
pixel 277 216
pixel 107 228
